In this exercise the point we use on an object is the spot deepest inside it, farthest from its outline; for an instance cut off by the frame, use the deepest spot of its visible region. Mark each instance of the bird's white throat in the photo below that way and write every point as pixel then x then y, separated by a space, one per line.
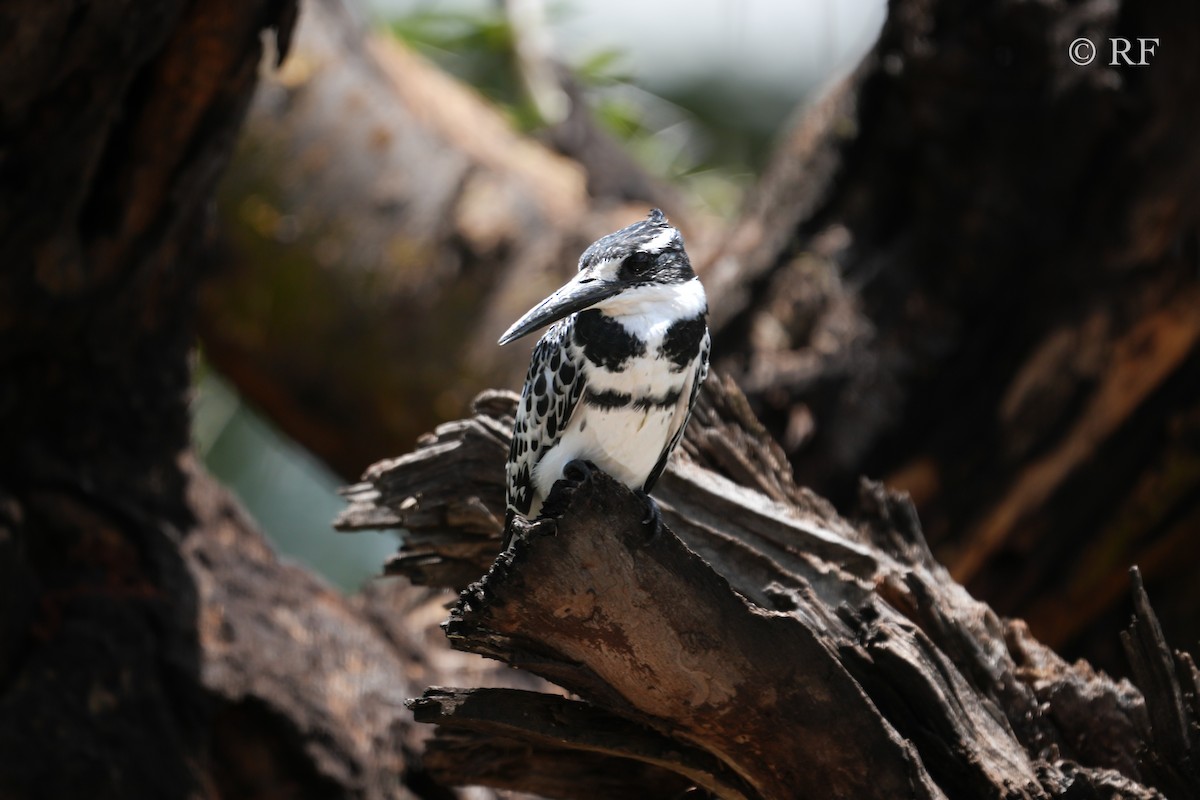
pixel 646 311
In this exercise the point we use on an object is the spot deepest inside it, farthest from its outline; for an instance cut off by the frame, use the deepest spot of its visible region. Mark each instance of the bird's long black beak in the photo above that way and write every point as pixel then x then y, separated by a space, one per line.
pixel 582 291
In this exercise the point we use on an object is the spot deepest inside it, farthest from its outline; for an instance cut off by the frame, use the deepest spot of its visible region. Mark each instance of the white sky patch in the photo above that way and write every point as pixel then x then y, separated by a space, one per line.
pixel 801 43
pixel 765 41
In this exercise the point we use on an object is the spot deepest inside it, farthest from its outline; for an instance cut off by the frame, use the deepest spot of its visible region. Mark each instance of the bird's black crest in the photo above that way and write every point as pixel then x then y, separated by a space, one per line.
pixel 632 238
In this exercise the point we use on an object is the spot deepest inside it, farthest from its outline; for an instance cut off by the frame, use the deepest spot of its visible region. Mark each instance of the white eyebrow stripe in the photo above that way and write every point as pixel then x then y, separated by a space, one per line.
pixel 607 269
pixel 660 241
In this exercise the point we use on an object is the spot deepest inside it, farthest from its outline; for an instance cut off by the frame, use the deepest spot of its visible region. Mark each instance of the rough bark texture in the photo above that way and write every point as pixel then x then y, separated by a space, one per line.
pixel 971 272
pixel 151 644
pixel 763 647
pixel 114 126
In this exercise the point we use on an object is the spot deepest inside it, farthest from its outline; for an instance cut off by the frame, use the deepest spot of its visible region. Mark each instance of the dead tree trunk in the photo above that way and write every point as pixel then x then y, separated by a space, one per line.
pixel 151 644
pixel 971 272
pixel 765 648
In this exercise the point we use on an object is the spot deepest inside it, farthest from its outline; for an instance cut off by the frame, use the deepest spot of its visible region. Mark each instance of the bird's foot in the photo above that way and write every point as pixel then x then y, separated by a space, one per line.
pixel 574 475
pixel 579 471
pixel 653 519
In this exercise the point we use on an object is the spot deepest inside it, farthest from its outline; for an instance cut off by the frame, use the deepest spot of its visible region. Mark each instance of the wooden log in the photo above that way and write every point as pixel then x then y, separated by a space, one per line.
pixel 792 651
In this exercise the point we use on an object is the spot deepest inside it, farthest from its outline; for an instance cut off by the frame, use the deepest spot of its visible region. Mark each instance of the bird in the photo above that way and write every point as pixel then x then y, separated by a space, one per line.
pixel 612 383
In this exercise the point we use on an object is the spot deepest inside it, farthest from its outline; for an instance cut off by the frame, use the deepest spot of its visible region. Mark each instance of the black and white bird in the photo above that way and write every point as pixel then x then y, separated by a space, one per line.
pixel 614 380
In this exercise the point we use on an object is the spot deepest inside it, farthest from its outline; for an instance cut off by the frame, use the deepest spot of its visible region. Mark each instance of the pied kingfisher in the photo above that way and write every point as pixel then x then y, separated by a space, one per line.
pixel 614 380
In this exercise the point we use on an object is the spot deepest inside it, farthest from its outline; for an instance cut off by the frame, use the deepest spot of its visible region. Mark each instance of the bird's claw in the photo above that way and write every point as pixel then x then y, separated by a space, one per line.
pixel 515 527
pixel 653 519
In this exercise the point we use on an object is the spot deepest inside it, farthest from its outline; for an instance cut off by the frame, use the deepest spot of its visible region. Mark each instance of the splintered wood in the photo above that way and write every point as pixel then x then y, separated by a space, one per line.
pixel 762 646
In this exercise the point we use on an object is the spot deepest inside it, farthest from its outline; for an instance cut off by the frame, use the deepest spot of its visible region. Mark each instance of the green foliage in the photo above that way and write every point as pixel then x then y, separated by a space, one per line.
pixel 477 48
pixel 691 143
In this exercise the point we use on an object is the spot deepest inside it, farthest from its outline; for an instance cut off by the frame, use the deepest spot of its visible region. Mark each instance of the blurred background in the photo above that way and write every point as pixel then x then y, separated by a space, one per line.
pixel 697 92
pixel 938 252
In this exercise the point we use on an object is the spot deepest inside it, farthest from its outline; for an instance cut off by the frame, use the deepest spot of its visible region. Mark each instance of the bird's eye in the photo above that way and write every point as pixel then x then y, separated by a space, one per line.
pixel 637 263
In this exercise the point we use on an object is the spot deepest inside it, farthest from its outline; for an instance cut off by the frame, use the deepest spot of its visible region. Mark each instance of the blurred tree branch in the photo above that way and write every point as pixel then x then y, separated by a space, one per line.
pixel 381 224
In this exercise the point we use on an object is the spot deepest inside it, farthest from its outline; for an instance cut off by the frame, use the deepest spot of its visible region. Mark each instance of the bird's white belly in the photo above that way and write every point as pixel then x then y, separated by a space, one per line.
pixel 625 442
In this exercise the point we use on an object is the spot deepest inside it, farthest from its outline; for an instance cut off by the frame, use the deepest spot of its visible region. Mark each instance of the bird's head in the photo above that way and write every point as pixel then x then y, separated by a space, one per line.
pixel 646 254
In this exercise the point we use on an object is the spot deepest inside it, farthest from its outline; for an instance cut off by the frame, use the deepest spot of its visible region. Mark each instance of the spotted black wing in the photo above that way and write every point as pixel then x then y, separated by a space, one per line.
pixel 553 387
pixel 683 411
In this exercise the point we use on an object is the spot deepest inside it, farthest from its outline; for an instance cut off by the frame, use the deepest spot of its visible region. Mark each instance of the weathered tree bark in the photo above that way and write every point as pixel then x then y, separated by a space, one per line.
pixel 766 648
pixel 151 644
pixel 971 271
